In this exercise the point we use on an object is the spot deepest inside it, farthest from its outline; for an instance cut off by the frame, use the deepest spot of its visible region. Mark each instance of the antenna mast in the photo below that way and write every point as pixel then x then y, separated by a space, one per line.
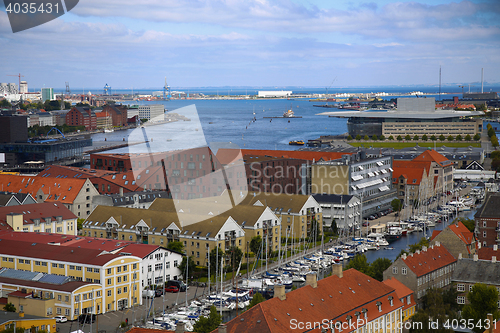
pixel 439 82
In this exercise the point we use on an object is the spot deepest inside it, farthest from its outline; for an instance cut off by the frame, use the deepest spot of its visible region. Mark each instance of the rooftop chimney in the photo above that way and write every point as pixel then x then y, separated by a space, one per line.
pixel 417 252
pixel 460 256
pixel 179 328
pixel 478 245
pixel 476 257
pixel 311 280
pixel 279 291
pixel 121 191
pixel 424 248
pixel 222 328
pixel 495 247
pixel 494 259
pixel 337 270
pixel 437 243
pixel 404 256
pixel 489 316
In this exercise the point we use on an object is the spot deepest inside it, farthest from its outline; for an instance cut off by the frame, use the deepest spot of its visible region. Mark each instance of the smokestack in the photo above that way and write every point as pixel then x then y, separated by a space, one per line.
pixel 279 291
pixel 311 280
pixel 179 328
pixel 337 270
pixel 476 257
pixel 222 328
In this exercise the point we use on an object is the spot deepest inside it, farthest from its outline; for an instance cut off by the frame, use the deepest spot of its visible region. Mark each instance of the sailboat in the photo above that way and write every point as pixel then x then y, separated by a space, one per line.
pixel 109 126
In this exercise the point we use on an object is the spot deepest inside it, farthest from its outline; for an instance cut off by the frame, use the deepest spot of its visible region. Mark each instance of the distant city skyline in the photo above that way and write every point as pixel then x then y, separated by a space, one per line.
pixel 258 43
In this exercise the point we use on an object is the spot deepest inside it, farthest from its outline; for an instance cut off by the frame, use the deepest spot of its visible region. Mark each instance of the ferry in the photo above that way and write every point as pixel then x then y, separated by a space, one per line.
pixel 288 114
pixel 296 143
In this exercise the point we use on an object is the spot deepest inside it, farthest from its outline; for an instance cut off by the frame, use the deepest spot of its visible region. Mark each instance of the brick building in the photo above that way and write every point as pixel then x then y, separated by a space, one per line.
pixel 430 268
pixel 413 181
pixel 117 112
pixel 82 116
pixel 457 239
pixel 487 220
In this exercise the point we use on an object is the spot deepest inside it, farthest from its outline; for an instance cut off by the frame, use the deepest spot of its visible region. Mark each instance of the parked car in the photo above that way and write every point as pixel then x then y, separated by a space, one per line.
pixel 179 284
pixel 148 293
pixel 158 292
pixel 87 318
pixel 171 289
pixel 60 319
pixel 365 223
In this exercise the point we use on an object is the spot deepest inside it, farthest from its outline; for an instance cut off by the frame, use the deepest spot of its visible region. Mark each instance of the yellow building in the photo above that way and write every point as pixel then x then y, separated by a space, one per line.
pixel 10 320
pixel 114 277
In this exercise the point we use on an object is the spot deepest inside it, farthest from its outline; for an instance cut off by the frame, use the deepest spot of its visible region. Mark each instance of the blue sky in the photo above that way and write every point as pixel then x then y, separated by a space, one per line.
pixel 278 43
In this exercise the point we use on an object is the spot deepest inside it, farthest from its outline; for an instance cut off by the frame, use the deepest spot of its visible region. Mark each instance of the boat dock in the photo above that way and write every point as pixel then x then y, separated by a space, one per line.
pixel 281 117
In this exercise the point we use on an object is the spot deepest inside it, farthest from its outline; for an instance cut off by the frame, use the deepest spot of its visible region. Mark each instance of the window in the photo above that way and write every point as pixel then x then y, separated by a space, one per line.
pixel 408 299
pixel 109 281
pixel 109 292
pixel 461 299
pixel 108 271
pixel 460 287
pixel 72 267
pixel 470 287
pixel 119 279
pixel 394 270
pixel 403 270
pixel 89 269
pixel 61 265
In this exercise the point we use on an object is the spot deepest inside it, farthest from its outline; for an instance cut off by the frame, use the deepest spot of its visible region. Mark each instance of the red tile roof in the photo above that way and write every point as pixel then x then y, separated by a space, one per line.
pixel 401 290
pixel 73 172
pixel 464 234
pixel 433 156
pixel 334 299
pixel 486 253
pixel 413 175
pixel 64 190
pixel 38 211
pixel 435 233
pixel 433 258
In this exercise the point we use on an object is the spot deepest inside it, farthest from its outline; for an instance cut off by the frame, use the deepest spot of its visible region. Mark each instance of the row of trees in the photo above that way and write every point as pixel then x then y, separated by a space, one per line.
pixel 424 137
pixel 492 135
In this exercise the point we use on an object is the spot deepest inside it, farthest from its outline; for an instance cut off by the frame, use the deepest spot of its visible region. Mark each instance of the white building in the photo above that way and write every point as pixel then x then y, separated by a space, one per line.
pixel 268 94
pixel 154 112
pixel 345 210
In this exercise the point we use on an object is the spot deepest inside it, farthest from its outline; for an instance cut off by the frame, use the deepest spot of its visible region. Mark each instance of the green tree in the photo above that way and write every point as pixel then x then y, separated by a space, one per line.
pixel 175 246
pixel 257 298
pixel 335 229
pixel 482 300
pixel 468 137
pixel 378 266
pixel 433 307
pixel 9 307
pixel 79 223
pixel 349 137
pixel 391 137
pixel 424 137
pixel 400 138
pixel 396 205
pixel 477 137
pixel 491 132
pixel 495 154
pixel 366 138
pixel 407 137
pixel 381 138
pixel 234 254
pixel 208 324
pixel 481 107
pixel 450 138
pixel 494 141
pixel 5 104
pixel 418 246
pixel 255 244
pixel 415 138
pixel 442 138
pixel 359 263
pixel 374 138
pixel 191 268
pixel 433 138
pixel 358 137
pixel 458 138
pixel 469 223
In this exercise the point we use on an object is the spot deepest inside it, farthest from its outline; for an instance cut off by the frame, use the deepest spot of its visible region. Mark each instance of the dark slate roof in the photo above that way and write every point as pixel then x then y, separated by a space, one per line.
pixel 480 271
pixel 5 197
pixel 489 207
pixel 332 198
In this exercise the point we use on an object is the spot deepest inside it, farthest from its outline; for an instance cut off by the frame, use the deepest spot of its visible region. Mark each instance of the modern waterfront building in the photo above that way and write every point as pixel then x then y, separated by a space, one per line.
pixel 47 94
pixel 154 112
pixel 414 116
pixel 345 210
pixel 270 94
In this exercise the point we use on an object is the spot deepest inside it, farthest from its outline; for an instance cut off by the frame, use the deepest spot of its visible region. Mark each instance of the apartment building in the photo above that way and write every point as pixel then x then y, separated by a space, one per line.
pixel 414 182
pixel 470 271
pixel 457 239
pixel 441 168
pixel 40 217
pixel 405 295
pixel 118 114
pixel 430 268
pixel 345 210
pixel 82 116
pixel 154 112
pixel 346 301
pixel 487 220
pixel 74 193
pixel 118 275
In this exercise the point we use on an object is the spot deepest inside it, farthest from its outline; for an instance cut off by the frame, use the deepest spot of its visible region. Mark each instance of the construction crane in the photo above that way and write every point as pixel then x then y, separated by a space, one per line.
pixel 18 75
pixel 462 86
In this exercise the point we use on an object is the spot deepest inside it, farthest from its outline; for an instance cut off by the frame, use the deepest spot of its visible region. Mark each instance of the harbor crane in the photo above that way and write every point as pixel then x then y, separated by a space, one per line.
pixel 166 90
pixel 19 76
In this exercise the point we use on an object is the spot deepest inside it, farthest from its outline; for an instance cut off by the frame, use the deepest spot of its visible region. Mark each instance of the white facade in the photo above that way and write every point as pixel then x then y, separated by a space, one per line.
pixel 152 111
pixel 267 94
pixel 46 119
pixel 160 266
pixel 345 214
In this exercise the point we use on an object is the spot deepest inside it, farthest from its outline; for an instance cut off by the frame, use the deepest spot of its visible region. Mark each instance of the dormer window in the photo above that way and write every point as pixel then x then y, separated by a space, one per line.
pixel 379 306
pixel 391 300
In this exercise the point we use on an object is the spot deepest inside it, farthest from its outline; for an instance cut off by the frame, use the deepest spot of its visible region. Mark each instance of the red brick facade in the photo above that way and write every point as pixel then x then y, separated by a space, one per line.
pixel 82 116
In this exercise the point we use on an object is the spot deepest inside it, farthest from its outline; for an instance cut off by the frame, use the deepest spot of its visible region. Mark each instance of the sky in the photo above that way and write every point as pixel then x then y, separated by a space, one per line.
pixel 257 43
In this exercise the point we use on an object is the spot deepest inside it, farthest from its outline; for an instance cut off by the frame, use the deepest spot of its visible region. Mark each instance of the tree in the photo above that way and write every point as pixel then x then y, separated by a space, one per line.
pixel 396 205
pixel 381 138
pixel 441 137
pixel 494 141
pixel 208 324
pixel 424 137
pixel 481 107
pixel 418 246
pixel 235 254
pixel 257 298
pixel 450 138
pixel 5 104
pixel 415 138
pixel 458 138
pixel 469 223
pixel 184 262
pixel 359 263
pixel 349 137
pixel 491 132
pixel 334 227
pixel 79 223
pixel 358 137
pixel 176 246
pixel 400 138
pixel 374 138
pixel 255 244
pixel 378 266
pixel 407 137
pixel 477 137
pixel 9 307
pixel 391 137
pixel 366 138
pixel 482 300
pixel 433 138
pixel 468 137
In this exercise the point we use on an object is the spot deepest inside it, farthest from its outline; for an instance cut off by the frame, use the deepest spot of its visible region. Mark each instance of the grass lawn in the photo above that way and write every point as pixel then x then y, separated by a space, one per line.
pixel 400 144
